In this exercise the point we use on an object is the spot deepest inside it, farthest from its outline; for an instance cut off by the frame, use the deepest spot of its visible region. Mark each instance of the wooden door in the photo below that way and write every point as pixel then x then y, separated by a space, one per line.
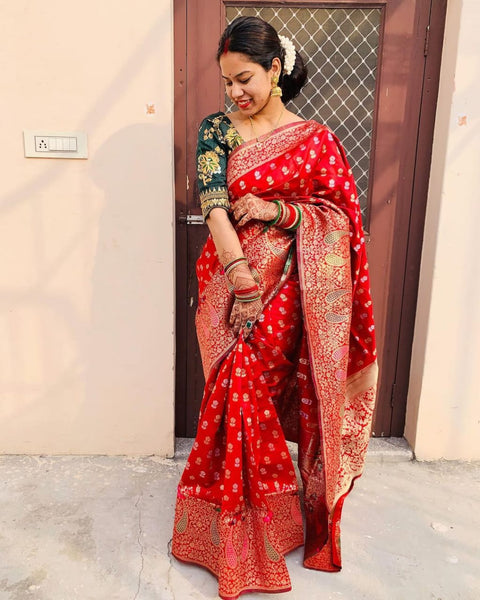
pixel 373 79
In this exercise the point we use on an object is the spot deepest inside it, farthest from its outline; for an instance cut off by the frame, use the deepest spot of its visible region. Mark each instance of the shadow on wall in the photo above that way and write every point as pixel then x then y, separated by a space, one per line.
pixel 130 290
pixel 81 305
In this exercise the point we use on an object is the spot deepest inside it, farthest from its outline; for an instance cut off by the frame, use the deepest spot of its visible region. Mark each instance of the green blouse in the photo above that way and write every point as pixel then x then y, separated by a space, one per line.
pixel 217 137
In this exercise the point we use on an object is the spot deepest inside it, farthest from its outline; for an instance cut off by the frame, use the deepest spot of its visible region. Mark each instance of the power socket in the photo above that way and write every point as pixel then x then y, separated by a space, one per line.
pixel 41 144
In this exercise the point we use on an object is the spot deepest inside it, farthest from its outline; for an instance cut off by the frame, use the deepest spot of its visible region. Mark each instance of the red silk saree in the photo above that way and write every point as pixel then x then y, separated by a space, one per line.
pixel 306 373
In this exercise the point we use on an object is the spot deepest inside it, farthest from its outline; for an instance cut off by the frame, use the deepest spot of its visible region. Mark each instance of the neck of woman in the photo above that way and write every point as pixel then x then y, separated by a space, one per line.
pixel 268 118
pixel 268 115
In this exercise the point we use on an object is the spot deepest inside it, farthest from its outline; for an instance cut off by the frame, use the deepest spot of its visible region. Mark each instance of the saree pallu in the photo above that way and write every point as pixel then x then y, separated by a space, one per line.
pixel 307 373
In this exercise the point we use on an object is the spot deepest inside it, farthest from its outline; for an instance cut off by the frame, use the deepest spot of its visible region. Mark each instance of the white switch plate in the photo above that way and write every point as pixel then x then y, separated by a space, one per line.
pixel 55 144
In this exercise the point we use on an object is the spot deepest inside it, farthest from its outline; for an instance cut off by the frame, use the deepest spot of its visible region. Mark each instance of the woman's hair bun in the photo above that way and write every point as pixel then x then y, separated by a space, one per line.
pixel 292 84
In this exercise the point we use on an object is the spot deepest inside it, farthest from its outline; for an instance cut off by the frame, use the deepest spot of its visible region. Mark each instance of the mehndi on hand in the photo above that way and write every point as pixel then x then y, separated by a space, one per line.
pixel 248 304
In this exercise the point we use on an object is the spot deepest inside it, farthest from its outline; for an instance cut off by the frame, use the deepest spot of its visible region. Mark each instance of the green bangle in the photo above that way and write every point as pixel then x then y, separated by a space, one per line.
pixel 233 263
pixel 274 221
pixel 257 297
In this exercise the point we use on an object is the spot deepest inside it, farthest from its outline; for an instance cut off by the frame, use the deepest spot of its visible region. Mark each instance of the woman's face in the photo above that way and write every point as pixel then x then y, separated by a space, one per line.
pixel 247 83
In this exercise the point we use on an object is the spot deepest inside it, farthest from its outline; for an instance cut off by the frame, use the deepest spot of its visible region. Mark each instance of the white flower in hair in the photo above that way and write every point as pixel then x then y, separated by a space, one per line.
pixel 289 48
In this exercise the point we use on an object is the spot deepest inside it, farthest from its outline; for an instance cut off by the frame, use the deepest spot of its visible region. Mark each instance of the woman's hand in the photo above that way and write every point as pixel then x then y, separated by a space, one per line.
pixel 252 207
pixel 244 315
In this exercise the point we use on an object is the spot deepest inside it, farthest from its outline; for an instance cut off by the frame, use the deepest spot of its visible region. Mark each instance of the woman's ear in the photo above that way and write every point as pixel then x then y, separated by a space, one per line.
pixel 276 67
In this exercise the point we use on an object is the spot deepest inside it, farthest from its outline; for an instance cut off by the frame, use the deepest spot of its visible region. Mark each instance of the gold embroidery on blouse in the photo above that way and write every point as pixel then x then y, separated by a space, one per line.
pixel 213 198
pixel 233 138
pixel 208 165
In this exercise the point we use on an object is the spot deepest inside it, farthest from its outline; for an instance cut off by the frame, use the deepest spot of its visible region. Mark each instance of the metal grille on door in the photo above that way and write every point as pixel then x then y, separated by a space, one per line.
pixel 340 46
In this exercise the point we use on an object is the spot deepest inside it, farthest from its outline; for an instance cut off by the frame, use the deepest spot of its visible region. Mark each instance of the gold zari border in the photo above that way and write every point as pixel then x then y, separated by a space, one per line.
pixel 214 198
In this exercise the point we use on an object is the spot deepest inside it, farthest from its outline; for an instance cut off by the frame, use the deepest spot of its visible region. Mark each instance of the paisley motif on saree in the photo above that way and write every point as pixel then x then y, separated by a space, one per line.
pixel 306 373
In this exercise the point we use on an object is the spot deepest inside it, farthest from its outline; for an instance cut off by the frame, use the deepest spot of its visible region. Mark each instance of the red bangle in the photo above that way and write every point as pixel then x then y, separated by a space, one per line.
pixel 249 290
pixel 291 217
pixel 248 295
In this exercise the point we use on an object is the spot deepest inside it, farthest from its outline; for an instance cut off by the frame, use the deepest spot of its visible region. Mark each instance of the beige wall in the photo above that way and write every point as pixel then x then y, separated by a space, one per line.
pixel 86 284
pixel 443 416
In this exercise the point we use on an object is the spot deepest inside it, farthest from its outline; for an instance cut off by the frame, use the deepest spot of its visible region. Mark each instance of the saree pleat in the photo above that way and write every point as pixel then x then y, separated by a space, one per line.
pixel 245 465
pixel 306 373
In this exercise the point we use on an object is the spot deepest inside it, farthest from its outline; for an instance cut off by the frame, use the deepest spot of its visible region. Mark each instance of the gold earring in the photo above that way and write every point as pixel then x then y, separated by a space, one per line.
pixel 276 90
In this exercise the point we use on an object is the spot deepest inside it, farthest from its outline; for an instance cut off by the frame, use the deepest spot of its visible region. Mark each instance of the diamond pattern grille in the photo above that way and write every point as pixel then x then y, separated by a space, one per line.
pixel 340 46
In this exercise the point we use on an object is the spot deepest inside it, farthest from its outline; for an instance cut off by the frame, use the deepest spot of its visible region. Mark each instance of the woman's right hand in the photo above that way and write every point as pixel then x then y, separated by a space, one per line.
pixel 252 207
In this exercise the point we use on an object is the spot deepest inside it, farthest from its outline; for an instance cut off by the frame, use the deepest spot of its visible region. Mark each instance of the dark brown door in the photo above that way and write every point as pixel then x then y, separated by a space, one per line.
pixel 373 69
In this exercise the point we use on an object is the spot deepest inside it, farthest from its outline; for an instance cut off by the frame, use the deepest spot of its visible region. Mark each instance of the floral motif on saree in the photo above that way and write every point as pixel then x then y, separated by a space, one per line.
pixel 306 373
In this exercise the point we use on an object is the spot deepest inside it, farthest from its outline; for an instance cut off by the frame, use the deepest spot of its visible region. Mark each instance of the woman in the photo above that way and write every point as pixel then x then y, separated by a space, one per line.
pixel 285 328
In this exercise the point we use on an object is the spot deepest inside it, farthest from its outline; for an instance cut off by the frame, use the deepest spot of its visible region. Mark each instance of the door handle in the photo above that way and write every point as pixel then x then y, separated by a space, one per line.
pixel 191 219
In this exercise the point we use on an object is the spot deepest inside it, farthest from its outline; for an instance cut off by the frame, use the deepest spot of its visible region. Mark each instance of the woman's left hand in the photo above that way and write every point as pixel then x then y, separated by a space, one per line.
pixel 250 207
pixel 244 315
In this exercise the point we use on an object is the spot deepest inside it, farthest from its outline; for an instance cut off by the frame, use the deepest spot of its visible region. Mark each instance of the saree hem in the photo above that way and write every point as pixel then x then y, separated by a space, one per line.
pixel 188 561
pixel 329 557
pixel 244 551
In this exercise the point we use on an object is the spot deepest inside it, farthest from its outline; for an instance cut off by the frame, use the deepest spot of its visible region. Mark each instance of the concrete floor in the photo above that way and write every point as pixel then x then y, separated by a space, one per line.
pixel 98 528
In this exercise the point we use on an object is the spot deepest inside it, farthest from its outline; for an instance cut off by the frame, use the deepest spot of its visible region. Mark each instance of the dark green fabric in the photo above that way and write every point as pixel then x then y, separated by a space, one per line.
pixel 217 137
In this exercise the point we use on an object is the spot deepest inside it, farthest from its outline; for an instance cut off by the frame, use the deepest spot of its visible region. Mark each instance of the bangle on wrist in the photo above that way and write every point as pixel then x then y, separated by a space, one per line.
pixel 289 216
pixel 296 225
pixel 274 221
pixel 292 217
pixel 279 213
pixel 228 268
pixel 243 291
pixel 248 294
pixel 252 299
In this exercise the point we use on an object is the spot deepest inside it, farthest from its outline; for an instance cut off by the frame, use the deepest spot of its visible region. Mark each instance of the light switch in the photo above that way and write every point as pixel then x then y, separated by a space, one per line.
pixel 48 144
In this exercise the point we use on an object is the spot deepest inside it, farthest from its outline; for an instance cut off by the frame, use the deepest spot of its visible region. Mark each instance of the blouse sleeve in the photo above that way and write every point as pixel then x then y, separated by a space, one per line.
pixel 211 168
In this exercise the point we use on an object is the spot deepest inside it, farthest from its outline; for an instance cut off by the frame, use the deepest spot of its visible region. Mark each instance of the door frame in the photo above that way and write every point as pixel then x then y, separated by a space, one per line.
pixel 409 258
pixel 406 253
